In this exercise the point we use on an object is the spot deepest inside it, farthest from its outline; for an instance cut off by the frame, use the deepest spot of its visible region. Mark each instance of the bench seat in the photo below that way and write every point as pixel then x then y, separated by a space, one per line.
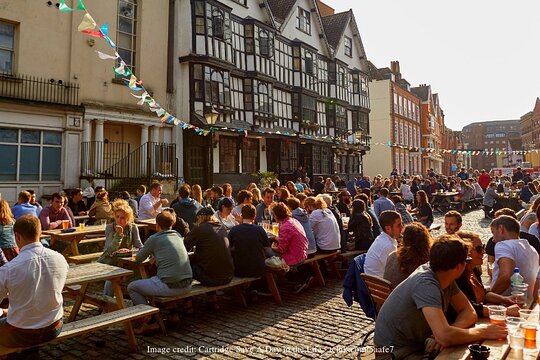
pixel 84 259
pixel 98 322
pixel 434 227
pixel 96 240
pixel 198 289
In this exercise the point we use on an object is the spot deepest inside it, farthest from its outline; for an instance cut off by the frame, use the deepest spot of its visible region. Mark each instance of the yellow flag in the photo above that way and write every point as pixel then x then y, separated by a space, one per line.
pixel 87 23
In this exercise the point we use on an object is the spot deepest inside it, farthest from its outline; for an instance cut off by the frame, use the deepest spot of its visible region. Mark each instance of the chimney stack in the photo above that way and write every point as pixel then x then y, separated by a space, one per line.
pixel 394 67
pixel 324 9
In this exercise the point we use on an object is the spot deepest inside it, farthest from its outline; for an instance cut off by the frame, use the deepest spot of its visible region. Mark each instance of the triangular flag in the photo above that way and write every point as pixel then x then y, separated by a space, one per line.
pixel 104 56
pixel 141 97
pixel 63 7
pixel 87 23
pixel 94 33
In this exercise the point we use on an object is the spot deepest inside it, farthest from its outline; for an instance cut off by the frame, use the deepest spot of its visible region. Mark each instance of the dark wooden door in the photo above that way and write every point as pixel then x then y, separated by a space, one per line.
pixel 197 161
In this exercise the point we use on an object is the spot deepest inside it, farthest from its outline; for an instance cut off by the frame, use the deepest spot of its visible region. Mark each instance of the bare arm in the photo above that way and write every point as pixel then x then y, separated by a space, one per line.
pixel 447 335
pixel 506 267
pixel 466 316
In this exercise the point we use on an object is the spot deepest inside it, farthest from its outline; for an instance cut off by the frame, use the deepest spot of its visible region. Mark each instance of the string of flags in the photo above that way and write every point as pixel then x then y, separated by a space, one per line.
pixel 491 151
pixel 89 26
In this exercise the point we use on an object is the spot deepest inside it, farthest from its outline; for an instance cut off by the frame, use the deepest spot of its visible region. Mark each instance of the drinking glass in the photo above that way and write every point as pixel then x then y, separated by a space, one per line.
pixel 275 229
pixel 517 337
pixel 529 330
pixel 134 252
pixel 529 315
pixel 497 314
pixel 65 224
pixel 82 226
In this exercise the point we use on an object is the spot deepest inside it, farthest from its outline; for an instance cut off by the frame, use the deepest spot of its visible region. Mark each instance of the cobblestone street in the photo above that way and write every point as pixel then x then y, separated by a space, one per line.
pixel 314 324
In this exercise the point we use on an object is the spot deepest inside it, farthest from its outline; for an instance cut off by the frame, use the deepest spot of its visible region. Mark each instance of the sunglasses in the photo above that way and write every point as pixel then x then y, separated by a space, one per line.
pixel 480 248
pixel 468 260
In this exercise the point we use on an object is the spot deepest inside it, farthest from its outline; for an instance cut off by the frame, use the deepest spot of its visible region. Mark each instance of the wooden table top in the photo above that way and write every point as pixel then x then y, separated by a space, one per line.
pixel 446 193
pixel 146 221
pixel 92 229
pixel 87 273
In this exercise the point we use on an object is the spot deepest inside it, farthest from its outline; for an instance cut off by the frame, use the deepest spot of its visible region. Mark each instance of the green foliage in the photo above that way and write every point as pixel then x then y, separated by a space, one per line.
pixel 265 178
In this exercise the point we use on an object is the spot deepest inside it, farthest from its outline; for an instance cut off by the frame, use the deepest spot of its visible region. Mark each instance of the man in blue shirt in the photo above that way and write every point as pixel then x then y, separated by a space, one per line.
pixel 24 207
pixel 383 203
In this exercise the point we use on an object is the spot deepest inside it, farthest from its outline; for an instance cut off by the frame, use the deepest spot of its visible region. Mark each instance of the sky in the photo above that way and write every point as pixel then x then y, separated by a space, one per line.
pixel 482 57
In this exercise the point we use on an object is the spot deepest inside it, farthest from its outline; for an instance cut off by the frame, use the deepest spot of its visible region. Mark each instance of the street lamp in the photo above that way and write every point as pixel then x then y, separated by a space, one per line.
pixel 211 115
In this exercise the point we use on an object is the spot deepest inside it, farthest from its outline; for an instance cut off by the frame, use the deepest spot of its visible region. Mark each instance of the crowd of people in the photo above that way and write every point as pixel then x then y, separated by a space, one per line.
pixel 215 234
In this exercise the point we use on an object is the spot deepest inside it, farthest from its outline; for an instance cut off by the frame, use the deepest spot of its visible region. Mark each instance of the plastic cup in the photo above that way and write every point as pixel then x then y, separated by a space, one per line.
pixel 497 314
pixel 275 229
pixel 524 288
pixel 65 224
pixel 82 226
pixel 517 338
pixel 519 298
pixel 529 330
pixel 528 315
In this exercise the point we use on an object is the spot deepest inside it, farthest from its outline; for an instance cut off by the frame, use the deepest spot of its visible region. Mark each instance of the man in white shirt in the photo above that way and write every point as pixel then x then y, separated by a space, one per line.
pixel 384 244
pixel 34 281
pixel 151 204
pixel 512 252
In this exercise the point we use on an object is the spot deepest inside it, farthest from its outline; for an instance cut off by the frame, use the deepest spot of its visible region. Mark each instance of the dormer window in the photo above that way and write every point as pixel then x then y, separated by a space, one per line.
pixel 266 44
pixel 348 46
pixel 303 21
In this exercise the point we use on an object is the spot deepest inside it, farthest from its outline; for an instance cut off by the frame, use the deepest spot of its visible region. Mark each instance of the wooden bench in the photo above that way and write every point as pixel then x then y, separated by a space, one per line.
pixel 271 273
pixel 91 324
pixel 198 289
pixel 96 240
pixel 84 259
pixel 434 227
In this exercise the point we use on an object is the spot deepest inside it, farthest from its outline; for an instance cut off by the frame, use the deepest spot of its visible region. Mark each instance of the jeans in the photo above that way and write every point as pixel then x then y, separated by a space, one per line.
pixel 11 336
pixel 107 289
pixel 138 290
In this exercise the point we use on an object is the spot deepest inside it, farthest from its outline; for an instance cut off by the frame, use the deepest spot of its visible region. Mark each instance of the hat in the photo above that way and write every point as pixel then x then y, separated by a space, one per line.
pixel 205 211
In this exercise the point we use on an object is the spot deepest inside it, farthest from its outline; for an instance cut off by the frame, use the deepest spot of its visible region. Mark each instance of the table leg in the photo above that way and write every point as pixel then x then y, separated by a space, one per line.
pixel 78 302
pixel 127 325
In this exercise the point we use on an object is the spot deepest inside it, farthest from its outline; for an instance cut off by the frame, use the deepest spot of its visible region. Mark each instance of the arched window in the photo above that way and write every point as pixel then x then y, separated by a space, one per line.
pixel 265 99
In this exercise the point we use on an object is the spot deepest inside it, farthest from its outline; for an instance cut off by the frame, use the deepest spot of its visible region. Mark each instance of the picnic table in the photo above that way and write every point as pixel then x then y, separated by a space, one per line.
pixel 74 238
pixel 85 274
pixel 442 201
pixel 149 225
pixel 505 201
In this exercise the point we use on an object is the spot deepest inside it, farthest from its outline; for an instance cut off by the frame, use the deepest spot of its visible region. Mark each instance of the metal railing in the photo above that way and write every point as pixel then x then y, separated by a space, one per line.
pixel 33 88
pixel 150 161
pixel 97 157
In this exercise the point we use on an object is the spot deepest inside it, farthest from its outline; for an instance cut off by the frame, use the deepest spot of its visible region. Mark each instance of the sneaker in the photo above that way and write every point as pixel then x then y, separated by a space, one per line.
pixel 299 287
pixel 264 293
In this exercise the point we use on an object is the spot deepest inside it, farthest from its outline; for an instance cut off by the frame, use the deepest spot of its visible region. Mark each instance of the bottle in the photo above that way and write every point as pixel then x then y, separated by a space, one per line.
pixel 516 279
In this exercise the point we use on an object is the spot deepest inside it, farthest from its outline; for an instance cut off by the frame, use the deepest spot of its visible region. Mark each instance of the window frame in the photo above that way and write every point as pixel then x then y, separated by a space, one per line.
pixel 132 64
pixel 250 153
pixel 229 143
pixel 11 50
pixel 347 46
pixel 42 145
pixel 303 20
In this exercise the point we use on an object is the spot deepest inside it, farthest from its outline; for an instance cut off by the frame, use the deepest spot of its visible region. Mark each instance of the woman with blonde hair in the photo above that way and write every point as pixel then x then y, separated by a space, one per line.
pixel 196 193
pixel 8 245
pixel 121 236
pixel 101 210
pixel 412 251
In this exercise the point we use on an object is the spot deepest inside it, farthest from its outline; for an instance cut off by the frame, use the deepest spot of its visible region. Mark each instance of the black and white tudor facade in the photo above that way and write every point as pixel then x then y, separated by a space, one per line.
pixel 295 81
